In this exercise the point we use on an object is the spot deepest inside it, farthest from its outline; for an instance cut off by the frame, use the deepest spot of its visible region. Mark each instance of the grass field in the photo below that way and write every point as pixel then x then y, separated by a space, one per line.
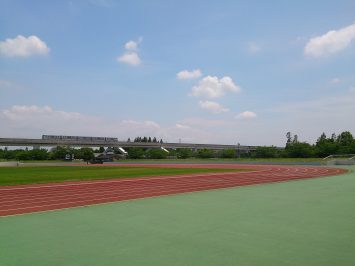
pixel 32 175
pixel 225 160
pixel 309 223
pixel 198 160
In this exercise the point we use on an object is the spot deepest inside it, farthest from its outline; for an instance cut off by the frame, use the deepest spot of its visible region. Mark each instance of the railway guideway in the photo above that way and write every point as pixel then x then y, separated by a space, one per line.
pixel 77 141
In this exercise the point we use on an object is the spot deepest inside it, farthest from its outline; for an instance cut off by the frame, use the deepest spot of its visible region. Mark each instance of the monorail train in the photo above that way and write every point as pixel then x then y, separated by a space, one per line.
pixel 58 137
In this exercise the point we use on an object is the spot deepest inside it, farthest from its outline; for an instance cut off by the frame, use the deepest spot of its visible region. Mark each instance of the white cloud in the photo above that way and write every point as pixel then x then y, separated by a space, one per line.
pixel 254 47
pixel 335 81
pixel 31 121
pixel 26 113
pixel 204 123
pixel 131 45
pixel 246 115
pixel 352 89
pixel 130 58
pixel 181 126
pixel 307 119
pixel 185 74
pixel 331 42
pixel 5 84
pixel 23 47
pixel 213 107
pixel 310 118
pixel 9 85
pixel 212 87
pixel 136 125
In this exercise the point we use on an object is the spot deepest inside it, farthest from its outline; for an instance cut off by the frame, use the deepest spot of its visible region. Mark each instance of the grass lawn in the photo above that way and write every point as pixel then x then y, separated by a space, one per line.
pixel 308 222
pixel 226 160
pixel 198 160
pixel 32 175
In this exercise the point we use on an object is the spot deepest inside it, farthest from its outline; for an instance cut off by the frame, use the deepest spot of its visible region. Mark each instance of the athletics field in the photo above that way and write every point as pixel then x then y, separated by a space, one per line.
pixel 305 222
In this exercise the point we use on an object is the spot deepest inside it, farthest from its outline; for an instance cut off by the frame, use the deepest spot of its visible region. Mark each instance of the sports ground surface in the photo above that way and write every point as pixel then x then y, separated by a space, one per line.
pixel 308 222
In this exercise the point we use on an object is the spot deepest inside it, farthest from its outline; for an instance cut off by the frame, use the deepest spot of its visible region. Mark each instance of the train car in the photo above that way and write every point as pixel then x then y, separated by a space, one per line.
pixel 79 138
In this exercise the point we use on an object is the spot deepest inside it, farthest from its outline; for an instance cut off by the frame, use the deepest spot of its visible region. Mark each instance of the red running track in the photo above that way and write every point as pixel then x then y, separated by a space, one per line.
pixel 44 197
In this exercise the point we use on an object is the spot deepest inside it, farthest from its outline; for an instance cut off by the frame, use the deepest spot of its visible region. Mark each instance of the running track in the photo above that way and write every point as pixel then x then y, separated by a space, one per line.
pixel 44 197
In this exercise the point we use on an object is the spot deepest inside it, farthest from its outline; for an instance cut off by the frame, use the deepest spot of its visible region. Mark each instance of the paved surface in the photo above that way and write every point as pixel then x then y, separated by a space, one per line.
pixel 34 198
pixel 310 222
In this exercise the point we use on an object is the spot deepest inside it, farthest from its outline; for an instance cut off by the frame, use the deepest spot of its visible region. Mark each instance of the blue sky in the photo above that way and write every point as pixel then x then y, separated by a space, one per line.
pixel 249 70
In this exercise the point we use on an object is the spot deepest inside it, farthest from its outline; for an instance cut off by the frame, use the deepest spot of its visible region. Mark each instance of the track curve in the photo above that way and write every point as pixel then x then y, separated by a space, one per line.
pixel 43 197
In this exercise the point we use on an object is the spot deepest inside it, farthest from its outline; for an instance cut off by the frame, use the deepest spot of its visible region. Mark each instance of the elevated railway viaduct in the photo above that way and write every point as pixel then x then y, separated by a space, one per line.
pixel 36 143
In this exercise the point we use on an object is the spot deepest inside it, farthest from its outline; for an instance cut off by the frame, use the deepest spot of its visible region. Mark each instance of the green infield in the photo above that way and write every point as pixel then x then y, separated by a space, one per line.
pixel 33 175
pixel 309 222
pixel 227 160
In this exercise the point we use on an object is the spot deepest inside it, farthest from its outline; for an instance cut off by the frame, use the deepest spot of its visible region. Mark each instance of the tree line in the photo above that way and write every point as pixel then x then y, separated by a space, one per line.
pixel 86 154
pixel 145 139
pixel 180 153
pixel 344 143
pixel 57 153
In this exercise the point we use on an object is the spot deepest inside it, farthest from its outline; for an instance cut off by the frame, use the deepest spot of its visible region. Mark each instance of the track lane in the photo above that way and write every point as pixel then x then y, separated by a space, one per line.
pixel 33 198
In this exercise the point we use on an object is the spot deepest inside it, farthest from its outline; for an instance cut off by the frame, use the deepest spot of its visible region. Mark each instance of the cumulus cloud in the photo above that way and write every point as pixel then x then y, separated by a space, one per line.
pixel 331 42
pixel 23 47
pixel 185 74
pixel 213 107
pixel 213 87
pixel 246 115
pixel 131 45
pixel 131 56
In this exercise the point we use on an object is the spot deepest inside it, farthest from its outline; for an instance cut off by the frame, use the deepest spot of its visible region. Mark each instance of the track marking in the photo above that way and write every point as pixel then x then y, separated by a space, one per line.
pixel 35 198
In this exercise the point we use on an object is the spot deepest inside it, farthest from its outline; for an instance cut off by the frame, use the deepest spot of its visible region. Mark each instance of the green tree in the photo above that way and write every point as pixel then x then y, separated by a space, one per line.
pixel 39 154
pixel 300 150
pixel 22 155
pixel 86 154
pixel 184 153
pixel 322 139
pixel 59 152
pixel 135 153
pixel 325 146
pixel 289 138
pixel 205 153
pixel 345 138
pixel 228 153
pixel 157 154
pixel 266 152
